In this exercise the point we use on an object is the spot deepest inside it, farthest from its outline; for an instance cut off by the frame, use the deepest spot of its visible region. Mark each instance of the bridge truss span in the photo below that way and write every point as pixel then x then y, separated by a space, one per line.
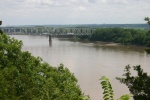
pixel 47 31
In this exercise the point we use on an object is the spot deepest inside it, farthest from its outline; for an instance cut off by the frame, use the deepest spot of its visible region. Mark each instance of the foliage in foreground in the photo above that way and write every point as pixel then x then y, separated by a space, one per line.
pixel 138 85
pixel 108 91
pixel 25 77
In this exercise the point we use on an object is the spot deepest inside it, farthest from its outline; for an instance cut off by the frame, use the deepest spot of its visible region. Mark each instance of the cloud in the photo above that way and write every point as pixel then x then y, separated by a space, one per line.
pixel 73 11
pixel 92 1
pixel 82 8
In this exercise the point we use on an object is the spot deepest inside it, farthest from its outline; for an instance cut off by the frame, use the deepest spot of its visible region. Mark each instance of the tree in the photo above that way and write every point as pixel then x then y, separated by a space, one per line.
pixel 138 85
pixel 126 37
pixel 120 35
pixel 147 34
pixel 0 29
pixel 108 91
pixel 0 22
pixel 25 77
pixel 148 20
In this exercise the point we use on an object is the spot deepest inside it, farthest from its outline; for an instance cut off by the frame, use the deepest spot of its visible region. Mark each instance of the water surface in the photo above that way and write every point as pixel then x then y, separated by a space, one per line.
pixel 89 61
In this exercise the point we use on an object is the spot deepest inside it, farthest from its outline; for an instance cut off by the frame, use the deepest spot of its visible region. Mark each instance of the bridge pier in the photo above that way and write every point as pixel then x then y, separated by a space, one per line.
pixel 50 40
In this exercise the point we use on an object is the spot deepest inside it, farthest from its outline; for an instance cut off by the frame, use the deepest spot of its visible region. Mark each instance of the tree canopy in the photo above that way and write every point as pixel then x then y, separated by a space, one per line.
pixel 138 85
pixel 147 19
pixel 120 35
pixel 25 77
pixel 0 29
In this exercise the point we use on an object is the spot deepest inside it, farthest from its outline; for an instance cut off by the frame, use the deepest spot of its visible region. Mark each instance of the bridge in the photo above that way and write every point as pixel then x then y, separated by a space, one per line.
pixel 47 31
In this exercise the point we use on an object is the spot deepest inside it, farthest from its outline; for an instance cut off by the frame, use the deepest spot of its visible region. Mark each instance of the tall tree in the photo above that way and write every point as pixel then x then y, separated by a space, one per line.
pixel 148 33
pixel 0 22
pixel 148 20
pixel 0 29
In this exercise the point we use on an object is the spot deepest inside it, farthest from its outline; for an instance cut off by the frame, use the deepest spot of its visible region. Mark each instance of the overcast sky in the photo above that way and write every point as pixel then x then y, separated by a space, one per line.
pixel 49 12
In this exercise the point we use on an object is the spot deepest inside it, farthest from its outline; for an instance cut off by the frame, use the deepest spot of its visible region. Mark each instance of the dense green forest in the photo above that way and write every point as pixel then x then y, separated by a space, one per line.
pixel 120 35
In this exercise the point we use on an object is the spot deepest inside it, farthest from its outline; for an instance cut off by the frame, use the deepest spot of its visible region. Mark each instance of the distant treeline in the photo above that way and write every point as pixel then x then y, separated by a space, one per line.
pixel 120 35
pixel 135 26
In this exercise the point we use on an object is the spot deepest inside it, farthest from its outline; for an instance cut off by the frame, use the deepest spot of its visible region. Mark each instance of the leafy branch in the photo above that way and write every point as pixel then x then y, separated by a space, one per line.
pixel 108 92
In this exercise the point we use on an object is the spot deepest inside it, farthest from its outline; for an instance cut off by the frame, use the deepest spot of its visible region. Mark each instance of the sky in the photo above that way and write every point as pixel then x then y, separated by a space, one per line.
pixel 62 12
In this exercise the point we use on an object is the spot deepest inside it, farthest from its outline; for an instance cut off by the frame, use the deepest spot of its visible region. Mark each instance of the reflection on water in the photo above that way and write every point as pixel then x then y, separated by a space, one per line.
pixel 89 61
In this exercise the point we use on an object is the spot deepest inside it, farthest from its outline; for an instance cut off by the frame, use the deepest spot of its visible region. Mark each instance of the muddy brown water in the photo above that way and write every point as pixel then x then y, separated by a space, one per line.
pixel 89 61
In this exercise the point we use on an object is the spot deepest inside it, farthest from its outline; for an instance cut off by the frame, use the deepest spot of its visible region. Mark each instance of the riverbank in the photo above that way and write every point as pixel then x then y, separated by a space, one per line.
pixel 108 44
pixel 119 35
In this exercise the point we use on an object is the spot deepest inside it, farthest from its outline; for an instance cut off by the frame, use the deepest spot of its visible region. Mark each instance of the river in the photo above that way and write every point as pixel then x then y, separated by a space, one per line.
pixel 89 61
